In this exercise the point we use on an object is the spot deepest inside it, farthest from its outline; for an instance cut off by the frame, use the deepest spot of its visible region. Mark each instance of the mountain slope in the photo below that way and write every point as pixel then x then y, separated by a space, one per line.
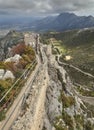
pixel 64 21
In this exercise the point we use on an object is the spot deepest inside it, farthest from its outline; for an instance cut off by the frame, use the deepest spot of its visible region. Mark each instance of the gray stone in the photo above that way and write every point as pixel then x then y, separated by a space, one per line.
pixel 8 74
pixel 15 58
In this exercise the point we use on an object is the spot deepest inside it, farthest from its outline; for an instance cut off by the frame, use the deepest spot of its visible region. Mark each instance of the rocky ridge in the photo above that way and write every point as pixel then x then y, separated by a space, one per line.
pixel 32 114
pixel 64 110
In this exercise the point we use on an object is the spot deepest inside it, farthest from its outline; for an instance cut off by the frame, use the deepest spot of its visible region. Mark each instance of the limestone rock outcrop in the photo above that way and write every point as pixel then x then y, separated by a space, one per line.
pixel 6 74
pixel 15 58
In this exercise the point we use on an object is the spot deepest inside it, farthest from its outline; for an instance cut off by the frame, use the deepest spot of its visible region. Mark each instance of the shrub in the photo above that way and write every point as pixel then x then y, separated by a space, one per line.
pixel 2 115
pixel 5 84
pixel 29 50
pixel 1 89
pixel 19 49
pixel 89 126
pixel 18 73
pixel 26 58
pixel 59 127
pixel 79 119
pixel 68 120
pixel 2 65
pixel 22 64
pixel 10 66
pixel 67 100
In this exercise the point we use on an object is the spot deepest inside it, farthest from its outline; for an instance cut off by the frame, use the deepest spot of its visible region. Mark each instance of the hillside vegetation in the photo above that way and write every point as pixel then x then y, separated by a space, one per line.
pixel 17 60
pixel 76 48
pixel 79 44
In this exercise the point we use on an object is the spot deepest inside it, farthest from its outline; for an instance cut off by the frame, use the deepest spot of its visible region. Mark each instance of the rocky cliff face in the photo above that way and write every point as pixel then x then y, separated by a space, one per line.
pixel 64 110
pixel 7 42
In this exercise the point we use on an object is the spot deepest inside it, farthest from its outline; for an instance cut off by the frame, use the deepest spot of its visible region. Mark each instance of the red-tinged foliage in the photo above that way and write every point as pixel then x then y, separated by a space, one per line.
pixel 10 66
pixel 19 49
pixel 22 63
pixel 32 57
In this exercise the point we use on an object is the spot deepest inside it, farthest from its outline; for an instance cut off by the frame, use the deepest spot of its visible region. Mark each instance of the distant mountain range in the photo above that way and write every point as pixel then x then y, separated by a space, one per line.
pixel 62 22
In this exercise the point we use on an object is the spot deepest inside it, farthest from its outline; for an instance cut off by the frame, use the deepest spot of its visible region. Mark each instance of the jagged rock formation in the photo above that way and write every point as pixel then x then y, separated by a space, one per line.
pixel 6 74
pixel 7 42
pixel 15 58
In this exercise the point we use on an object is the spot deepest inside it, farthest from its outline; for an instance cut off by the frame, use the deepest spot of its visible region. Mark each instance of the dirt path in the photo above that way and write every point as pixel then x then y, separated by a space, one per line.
pixel 72 66
pixel 86 99
pixel 40 105
pixel 79 70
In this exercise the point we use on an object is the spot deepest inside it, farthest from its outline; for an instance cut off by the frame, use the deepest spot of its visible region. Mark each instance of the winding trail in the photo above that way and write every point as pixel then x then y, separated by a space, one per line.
pixel 79 70
pixel 87 99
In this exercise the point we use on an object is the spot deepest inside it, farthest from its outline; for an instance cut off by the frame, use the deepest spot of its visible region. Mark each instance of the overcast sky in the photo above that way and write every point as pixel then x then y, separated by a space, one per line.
pixel 45 7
